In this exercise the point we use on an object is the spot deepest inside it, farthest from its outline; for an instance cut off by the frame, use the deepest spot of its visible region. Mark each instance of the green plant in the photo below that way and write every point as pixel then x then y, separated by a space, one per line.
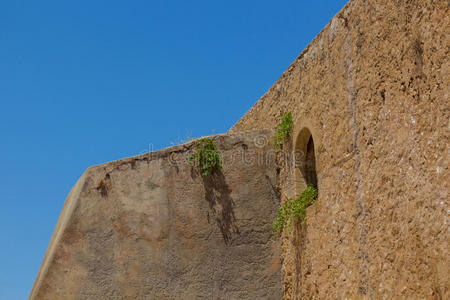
pixel 206 157
pixel 295 208
pixel 284 129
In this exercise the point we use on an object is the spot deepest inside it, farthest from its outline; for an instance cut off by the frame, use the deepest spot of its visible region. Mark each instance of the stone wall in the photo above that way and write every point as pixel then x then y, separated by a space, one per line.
pixel 152 227
pixel 373 89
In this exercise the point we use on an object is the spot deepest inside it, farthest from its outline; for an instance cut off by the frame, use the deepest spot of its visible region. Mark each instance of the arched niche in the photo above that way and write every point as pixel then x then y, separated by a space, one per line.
pixel 305 161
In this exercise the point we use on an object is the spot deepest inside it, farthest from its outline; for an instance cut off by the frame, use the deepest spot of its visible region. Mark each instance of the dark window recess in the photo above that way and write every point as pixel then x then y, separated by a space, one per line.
pixel 310 164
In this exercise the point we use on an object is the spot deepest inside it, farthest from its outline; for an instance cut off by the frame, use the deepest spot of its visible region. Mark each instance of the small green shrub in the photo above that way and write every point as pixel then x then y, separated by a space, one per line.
pixel 206 157
pixel 295 208
pixel 284 129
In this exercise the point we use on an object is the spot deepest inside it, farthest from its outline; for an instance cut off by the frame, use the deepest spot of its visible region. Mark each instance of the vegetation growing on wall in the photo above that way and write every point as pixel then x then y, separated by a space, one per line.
pixel 206 157
pixel 284 129
pixel 295 208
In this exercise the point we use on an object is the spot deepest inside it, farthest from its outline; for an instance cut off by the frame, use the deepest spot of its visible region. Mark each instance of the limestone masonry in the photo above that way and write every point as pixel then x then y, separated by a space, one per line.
pixel 370 101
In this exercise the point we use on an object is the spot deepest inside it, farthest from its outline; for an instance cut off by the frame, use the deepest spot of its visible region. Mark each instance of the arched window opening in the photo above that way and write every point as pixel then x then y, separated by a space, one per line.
pixel 305 161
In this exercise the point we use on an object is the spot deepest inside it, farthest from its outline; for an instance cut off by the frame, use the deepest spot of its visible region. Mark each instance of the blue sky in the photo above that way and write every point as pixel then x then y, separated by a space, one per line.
pixel 85 82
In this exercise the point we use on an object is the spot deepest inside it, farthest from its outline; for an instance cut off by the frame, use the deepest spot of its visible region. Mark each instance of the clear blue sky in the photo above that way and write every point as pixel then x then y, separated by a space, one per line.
pixel 85 82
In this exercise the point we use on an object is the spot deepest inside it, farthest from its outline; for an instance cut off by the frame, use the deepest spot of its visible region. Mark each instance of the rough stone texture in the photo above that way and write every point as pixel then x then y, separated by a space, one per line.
pixel 373 88
pixel 150 227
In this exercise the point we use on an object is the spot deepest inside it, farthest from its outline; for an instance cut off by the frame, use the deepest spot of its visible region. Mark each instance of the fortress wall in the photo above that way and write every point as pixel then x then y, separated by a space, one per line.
pixel 151 227
pixel 373 88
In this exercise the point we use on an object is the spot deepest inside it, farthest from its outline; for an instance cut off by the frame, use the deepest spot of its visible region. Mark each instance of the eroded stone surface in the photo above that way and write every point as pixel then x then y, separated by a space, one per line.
pixel 373 87
pixel 151 227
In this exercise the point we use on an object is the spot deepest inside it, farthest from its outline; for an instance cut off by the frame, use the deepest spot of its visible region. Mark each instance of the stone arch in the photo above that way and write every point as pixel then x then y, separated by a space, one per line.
pixel 305 160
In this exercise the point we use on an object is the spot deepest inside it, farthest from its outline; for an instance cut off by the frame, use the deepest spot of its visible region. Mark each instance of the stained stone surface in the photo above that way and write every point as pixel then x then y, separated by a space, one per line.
pixel 374 89
pixel 152 227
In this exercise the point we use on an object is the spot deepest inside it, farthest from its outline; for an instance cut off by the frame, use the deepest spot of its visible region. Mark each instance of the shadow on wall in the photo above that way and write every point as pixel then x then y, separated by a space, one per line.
pixel 305 174
pixel 309 170
pixel 299 241
pixel 217 193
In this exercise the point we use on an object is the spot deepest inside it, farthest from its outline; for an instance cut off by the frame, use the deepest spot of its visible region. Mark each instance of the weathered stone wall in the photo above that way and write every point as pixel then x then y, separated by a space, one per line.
pixel 373 88
pixel 151 227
